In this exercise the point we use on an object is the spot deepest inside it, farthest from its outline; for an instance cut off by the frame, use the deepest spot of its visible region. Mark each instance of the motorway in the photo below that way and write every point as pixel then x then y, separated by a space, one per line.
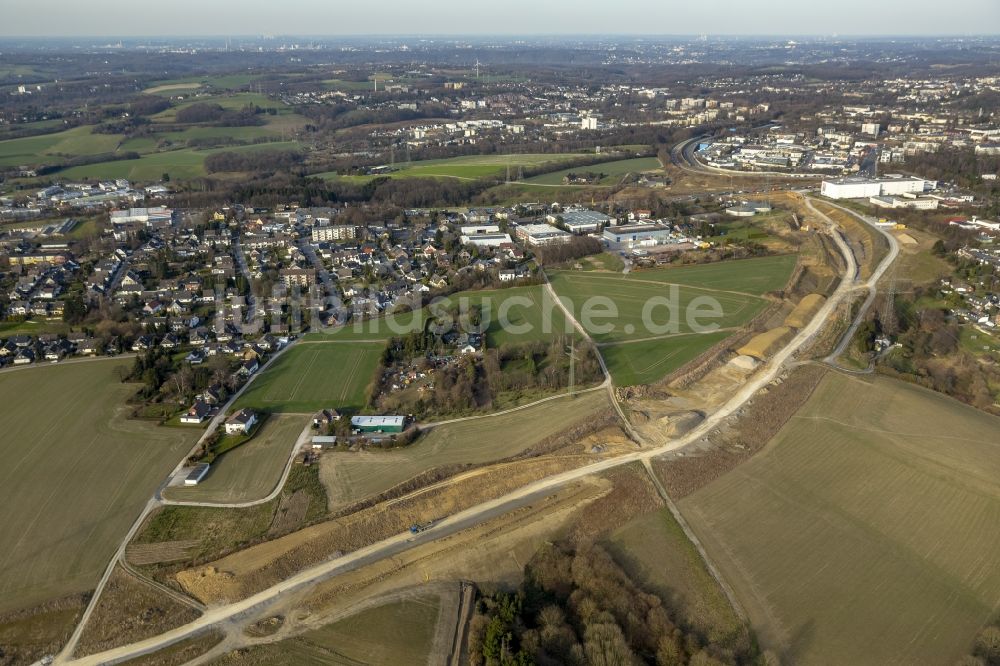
pixel 537 491
pixel 683 157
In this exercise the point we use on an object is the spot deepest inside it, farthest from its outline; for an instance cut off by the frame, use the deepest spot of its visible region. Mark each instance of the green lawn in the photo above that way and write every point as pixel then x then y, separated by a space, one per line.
pixel 642 349
pixel 179 164
pixel 233 101
pixel 751 276
pixel 654 550
pixel 401 632
pixel 315 375
pixel 351 477
pixel 614 171
pixel 33 327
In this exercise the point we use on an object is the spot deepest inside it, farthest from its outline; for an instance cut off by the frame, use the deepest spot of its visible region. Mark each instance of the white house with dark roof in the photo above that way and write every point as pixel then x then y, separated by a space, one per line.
pixel 242 422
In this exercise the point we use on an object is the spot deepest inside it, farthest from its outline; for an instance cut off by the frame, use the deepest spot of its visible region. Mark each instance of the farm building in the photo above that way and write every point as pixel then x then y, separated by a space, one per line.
pixel 196 474
pixel 378 423
pixel 325 417
pixel 241 422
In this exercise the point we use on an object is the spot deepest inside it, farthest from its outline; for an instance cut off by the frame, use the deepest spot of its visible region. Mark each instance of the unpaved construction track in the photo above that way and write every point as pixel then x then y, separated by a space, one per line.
pixel 258 604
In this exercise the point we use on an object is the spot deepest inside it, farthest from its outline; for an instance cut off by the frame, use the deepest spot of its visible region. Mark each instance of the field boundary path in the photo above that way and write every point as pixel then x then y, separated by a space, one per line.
pixel 608 383
pixel 509 410
pixel 152 504
pixel 260 602
pixel 304 437
pixel 70 361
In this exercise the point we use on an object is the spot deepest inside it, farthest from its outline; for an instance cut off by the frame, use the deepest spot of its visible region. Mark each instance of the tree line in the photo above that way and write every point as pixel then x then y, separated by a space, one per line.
pixel 578 607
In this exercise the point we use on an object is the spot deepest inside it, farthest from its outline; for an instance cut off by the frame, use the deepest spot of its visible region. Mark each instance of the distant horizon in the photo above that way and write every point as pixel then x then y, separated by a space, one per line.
pixel 500 35
pixel 450 18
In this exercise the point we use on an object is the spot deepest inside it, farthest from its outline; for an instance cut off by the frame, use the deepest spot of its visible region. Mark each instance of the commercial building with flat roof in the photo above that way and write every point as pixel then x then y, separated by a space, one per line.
pixel 581 221
pixel 636 233
pixel 541 234
pixel 864 188
pixel 486 240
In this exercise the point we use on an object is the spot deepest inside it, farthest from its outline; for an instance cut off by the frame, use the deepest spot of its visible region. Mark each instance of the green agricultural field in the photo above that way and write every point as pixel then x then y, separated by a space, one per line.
pixel 757 276
pixel 315 375
pixel 350 477
pixel 605 261
pixel 48 148
pixel 617 303
pixel 614 171
pixel 401 632
pixel 76 473
pixel 643 352
pixel 529 311
pixel 250 471
pixel 517 314
pixel 865 533
pixel 467 167
pixel 180 164
pixel 648 361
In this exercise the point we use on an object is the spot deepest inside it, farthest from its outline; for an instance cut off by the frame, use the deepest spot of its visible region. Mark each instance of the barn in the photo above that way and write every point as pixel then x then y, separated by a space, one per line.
pixel 378 423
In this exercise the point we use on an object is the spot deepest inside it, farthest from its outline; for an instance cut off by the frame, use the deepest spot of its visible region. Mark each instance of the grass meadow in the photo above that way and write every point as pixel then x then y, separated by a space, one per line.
pixel 466 167
pixel 250 471
pixel 313 376
pixel 528 309
pixel 350 477
pixel 639 351
pixel 613 171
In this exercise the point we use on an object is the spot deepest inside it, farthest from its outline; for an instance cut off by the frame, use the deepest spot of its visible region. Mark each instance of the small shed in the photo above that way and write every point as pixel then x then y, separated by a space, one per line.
pixel 196 474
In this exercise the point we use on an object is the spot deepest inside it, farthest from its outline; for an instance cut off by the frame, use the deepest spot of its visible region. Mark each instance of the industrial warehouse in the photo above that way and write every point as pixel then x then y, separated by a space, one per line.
pixel 864 188
pixel 378 424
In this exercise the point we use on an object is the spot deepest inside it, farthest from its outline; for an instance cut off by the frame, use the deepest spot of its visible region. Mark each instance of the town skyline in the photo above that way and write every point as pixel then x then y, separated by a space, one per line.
pixel 519 17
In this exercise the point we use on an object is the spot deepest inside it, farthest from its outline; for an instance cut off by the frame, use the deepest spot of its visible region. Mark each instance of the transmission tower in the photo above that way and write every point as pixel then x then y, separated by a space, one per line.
pixel 572 365
pixel 889 305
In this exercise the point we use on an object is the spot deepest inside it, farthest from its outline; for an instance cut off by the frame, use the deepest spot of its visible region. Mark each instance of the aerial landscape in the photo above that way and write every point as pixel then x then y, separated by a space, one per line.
pixel 501 335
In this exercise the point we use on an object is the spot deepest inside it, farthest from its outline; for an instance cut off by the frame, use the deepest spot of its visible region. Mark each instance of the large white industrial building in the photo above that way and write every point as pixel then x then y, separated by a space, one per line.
pixel 486 240
pixel 865 188
pixel 541 234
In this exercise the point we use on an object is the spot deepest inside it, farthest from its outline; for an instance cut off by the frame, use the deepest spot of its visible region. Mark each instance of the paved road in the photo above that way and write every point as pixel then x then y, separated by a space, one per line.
pixel 69 361
pixel 482 512
pixel 683 156
pixel 241 261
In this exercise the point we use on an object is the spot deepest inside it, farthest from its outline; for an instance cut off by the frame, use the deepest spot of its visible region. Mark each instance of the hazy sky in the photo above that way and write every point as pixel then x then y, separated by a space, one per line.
pixel 438 17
